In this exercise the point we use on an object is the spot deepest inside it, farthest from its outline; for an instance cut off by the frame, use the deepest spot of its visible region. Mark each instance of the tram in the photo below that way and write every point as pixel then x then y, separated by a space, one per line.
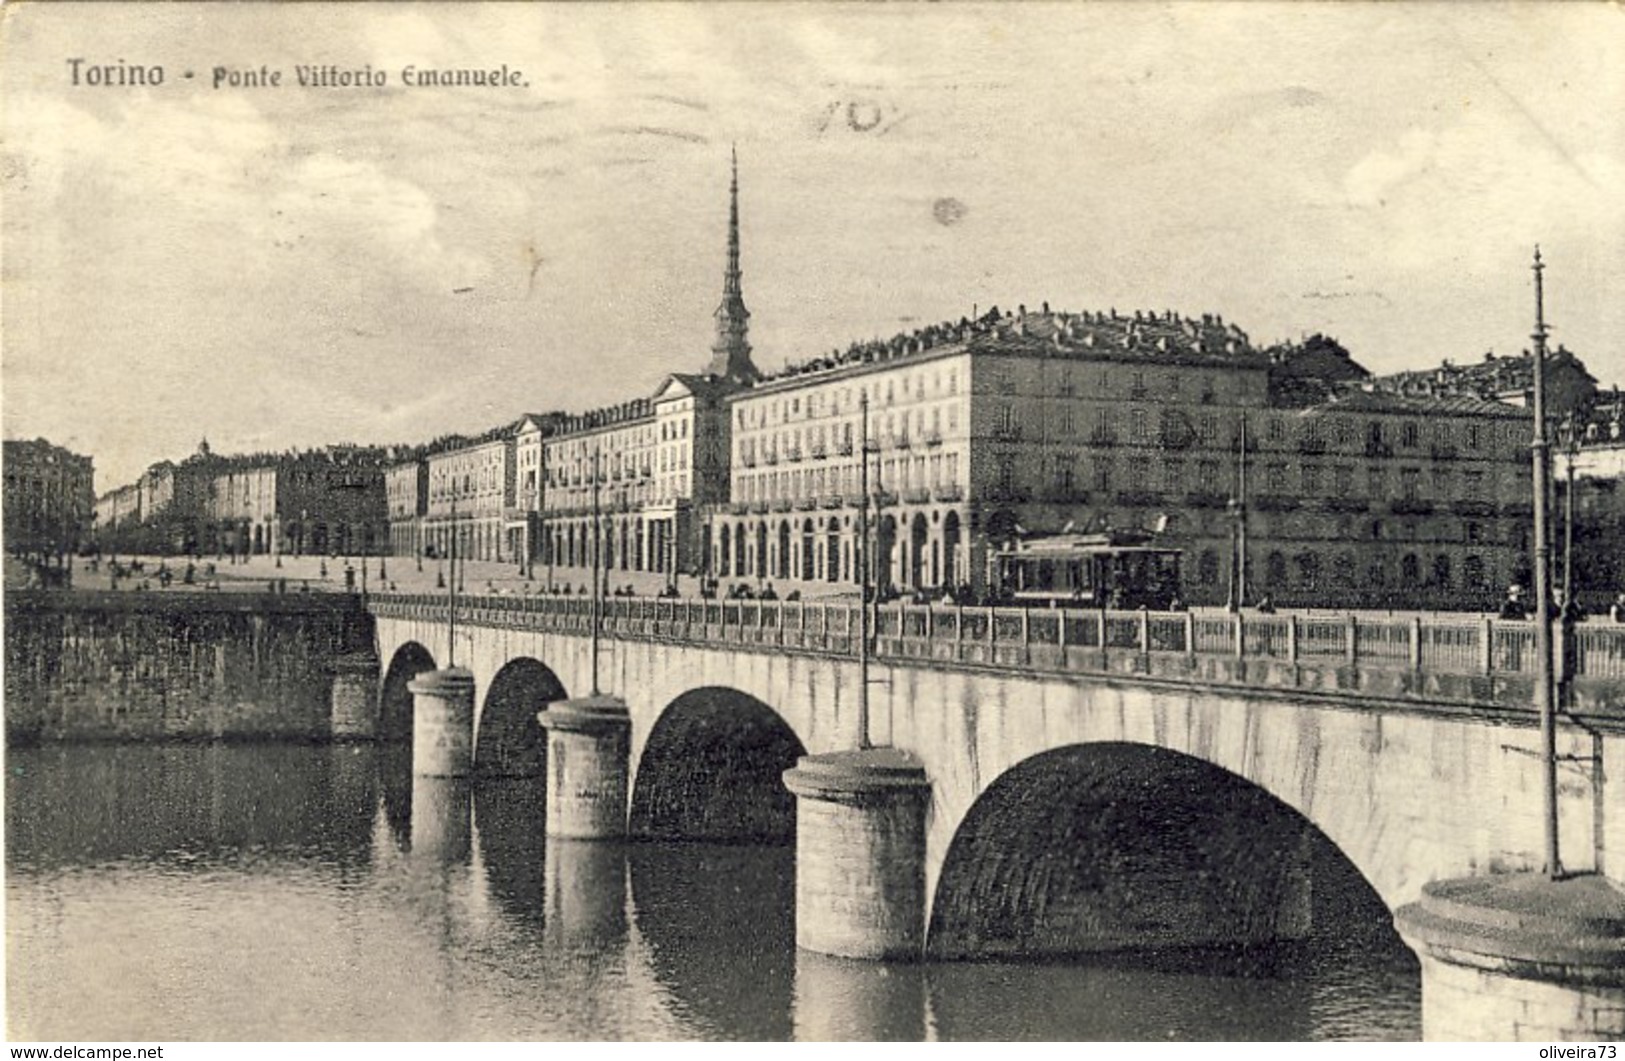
pixel 1121 569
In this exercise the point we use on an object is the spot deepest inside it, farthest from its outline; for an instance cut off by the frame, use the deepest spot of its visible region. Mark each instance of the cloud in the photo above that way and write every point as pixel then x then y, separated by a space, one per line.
pixel 1373 179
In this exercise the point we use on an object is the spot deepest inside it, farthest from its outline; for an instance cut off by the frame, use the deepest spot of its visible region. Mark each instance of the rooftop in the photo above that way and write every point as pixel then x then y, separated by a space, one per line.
pixel 1151 337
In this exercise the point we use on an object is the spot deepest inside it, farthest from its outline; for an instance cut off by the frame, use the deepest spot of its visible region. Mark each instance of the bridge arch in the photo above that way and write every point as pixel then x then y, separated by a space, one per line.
pixel 712 770
pixel 1096 848
pixel 508 741
pixel 394 698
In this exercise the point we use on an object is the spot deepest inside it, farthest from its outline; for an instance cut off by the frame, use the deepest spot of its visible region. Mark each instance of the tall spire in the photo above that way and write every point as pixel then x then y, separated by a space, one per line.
pixel 730 353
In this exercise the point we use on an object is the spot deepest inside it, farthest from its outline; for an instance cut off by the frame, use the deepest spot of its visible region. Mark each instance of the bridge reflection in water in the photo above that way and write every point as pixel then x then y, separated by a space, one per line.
pixel 320 892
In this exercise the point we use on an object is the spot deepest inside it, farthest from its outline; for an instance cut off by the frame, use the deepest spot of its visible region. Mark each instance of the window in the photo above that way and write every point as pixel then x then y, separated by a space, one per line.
pixel 1410 483
pixel 1311 479
pixel 1441 571
pixel 1274 429
pixel 1174 475
pixel 1309 570
pixel 1377 481
pixel 1007 474
pixel 1410 434
pixel 1139 428
pixel 1207 569
pixel 1275 570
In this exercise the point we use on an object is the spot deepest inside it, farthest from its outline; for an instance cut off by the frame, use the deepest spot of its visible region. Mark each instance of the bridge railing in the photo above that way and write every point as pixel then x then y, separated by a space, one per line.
pixel 1050 638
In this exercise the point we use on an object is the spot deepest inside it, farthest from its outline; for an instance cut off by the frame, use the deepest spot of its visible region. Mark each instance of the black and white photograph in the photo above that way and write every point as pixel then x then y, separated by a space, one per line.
pixel 822 522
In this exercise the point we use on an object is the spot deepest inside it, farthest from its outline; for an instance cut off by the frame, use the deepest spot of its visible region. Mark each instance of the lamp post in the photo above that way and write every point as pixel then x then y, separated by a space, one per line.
pixel 597 546
pixel 864 560
pixel 1540 456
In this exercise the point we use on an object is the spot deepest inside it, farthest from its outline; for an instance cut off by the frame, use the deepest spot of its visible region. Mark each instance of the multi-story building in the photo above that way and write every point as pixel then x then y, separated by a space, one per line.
pixel 1017 424
pixel 117 512
pixel 50 499
pixel 243 508
pixel 649 468
pixel 471 494
pixel 1590 516
pixel 977 431
pixel 327 502
pixel 406 492
pixel 1376 499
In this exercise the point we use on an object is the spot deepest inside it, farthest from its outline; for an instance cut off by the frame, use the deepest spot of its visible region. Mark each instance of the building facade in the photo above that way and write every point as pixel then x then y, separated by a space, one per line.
pixel 50 500
pixel 406 493
pixel 471 492
pixel 980 432
pixel 327 502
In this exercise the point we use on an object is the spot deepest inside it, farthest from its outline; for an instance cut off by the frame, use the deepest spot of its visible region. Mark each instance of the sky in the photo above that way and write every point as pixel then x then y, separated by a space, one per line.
pixel 270 267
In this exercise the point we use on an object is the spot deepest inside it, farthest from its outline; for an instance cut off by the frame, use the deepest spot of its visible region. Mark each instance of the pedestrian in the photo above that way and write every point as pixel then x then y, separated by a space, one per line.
pixel 1617 612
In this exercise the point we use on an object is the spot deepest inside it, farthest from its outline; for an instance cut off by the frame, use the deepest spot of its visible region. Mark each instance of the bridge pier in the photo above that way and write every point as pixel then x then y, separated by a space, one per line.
pixel 860 853
pixel 1518 957
pixel 353 703
pixel 588 761
pixel 442 723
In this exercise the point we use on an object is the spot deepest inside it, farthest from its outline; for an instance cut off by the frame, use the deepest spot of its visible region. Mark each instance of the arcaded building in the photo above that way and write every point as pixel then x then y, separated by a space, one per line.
pixel 1312 490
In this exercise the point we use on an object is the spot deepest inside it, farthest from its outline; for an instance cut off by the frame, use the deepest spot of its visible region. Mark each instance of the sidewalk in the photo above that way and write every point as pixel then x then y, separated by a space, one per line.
pixel 402 574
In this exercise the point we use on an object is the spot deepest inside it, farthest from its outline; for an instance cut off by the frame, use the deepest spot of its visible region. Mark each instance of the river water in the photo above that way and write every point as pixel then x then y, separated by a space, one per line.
pixel 294 892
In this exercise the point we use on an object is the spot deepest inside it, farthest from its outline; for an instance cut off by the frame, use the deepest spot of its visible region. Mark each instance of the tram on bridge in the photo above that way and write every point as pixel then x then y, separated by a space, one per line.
pixel 1115 569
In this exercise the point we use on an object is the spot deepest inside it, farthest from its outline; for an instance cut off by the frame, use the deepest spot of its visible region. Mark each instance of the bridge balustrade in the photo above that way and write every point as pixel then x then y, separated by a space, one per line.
pixel 1600 652
pixel 1451 649
pixel 1383 640
pixel 1214 635
pixel 1046 638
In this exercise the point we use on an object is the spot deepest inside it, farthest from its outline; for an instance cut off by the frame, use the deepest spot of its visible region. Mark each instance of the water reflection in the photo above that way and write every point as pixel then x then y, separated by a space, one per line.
pixel 266 891
pixel 510 818
pixel 719 922
pixel 839 999
pixel 585 886
pixel 442 823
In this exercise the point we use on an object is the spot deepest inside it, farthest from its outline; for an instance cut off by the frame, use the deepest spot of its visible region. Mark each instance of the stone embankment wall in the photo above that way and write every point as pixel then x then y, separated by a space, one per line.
pixel 139 666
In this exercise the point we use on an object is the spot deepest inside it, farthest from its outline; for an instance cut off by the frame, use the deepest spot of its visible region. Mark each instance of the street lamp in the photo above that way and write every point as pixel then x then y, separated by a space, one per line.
pixel 1540 456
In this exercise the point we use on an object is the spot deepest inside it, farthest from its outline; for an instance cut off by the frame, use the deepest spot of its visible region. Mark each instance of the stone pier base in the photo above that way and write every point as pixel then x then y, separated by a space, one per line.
pixel 1518 957
pixel 442 723
pixel 860 853
pixel 588 761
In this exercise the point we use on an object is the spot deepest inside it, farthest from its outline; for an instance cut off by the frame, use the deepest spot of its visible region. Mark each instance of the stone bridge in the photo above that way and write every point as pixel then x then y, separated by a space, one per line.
pixel 1049 783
